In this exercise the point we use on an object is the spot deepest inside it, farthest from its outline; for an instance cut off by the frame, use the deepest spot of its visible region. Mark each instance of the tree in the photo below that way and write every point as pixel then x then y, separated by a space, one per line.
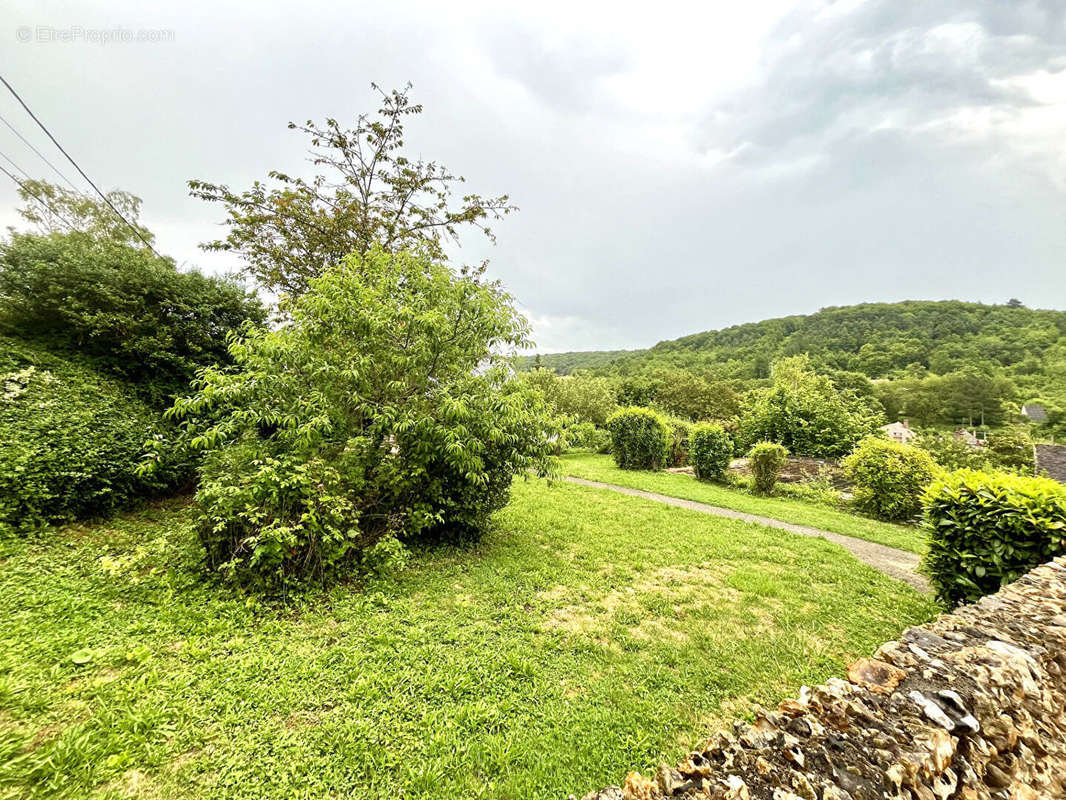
pixel 66 211
pixel 385 409
pixel 687 395
pixel 804 412
pixel 373 195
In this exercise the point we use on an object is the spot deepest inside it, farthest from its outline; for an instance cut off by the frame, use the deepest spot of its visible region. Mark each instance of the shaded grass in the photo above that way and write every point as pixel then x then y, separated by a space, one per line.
pixel 588 634
pixel 602 468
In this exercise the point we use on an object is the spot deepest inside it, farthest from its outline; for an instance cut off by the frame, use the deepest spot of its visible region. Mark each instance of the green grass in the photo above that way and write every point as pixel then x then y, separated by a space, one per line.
pixel 602 468
pixel 590 633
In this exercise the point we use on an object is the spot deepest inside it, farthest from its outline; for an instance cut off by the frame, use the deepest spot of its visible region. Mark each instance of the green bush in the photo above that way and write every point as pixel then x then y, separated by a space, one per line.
pixel 710 451
pixel 987 529
pixel 382 410
pixel 70 441
pixel 889 478
pixel 677 451
pixel 640 438
pixel 806 413
pixel 951 453
pixel 1012 449
pixel 584 436
pixel 128 311
pixel 766 460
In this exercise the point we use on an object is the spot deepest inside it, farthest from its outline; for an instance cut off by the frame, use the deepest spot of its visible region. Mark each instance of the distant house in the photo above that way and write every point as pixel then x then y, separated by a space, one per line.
pixel 1035 412
pixel 964 435
pixel 900 432
pixel 1051 458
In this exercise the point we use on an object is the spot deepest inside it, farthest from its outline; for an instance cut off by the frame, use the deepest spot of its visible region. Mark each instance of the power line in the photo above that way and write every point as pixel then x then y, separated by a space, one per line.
pixel 28 144
pixel 16 166
pixel 103 196
pixel 33 194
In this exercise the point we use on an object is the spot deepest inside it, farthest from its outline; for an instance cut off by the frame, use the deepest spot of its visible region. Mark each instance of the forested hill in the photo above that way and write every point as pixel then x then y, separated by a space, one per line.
pixel 876 339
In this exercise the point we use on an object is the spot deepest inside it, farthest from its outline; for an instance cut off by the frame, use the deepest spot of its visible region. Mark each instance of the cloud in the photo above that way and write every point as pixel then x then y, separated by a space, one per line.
pixel 678 167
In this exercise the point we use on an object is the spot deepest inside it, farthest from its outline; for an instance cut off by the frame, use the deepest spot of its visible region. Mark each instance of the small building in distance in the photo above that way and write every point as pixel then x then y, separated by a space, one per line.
pixel 900 432
pixel 971 439
pixel 1035 412
pixel 1051 459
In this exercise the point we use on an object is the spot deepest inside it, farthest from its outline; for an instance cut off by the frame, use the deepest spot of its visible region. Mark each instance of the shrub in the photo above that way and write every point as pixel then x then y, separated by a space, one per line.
pixel 987 529
pixel 384 408
pixel 1012 449
pixel 130 312
pixel 584 436
pixel 889 478
pixel 640 438
pixel 677 449
pixel 710 451
pixel 766 460
pixel 70 441
pixel 951 453
pixel 805 412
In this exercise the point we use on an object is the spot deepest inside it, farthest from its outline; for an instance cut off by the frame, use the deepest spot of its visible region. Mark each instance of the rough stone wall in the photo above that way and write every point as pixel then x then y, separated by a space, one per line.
pixel 971 706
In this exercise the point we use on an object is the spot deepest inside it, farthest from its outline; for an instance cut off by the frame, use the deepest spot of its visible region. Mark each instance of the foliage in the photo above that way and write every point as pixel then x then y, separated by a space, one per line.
pixel 987 529
pixel 54 209
pixel 889 478
pixel 132 313
pixel 640 438
pixel 386 407
pixel 583 396
pixel 951 453
pixel 879 340
pixel 677 446
pixel 710 451
pixel 804 412
pixel 693 397
pixel 373 195
pixel 585 436
pixel 1011 449
pixel 766 460
pixel 70 441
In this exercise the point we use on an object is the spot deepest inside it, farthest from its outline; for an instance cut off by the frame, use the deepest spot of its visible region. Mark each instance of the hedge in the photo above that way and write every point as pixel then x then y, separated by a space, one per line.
pixel 766 460
pixel 987 529
pixel 710 451
pixel 640 438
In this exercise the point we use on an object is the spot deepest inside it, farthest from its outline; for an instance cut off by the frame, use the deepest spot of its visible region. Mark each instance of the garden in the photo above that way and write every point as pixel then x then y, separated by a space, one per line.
pixel 331 545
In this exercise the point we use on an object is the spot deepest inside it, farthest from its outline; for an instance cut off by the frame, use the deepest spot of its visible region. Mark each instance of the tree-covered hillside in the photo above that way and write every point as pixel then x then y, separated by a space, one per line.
pixel 937 362
pixel 879 340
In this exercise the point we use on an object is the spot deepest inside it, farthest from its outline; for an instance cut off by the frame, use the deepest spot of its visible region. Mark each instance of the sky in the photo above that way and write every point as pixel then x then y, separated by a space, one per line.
pixel 678 167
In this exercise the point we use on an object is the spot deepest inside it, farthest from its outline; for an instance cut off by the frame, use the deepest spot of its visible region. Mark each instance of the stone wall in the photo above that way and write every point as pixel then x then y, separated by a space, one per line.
pixel 970 706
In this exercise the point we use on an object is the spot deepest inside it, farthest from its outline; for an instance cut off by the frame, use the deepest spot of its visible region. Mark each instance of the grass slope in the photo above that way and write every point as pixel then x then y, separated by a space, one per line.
pixel 602 468
pixel 590 633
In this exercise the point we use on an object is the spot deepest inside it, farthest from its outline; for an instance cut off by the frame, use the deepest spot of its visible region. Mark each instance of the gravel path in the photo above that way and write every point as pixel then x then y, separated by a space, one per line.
pixel 898 564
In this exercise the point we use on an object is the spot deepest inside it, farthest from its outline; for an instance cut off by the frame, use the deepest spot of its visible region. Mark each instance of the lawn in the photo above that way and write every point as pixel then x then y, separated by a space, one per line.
pixel 588 634
pixel 602 468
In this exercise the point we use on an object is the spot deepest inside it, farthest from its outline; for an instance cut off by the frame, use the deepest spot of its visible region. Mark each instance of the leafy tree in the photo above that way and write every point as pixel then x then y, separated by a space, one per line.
pixel 373 195
pixel 804 412
pixel 585 398
pixel 67 211
pixel 385 409
pixel 690 396
pixel 129 311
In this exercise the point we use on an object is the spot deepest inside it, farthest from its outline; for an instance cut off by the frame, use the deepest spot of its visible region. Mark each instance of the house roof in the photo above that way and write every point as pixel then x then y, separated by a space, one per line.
pixel 1035 412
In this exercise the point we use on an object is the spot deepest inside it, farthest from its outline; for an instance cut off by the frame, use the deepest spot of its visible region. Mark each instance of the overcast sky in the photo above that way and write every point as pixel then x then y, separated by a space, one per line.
pixel 677 168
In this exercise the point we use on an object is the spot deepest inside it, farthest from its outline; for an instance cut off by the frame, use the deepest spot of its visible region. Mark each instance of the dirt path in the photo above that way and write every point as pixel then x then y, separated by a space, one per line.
pixel 898 564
